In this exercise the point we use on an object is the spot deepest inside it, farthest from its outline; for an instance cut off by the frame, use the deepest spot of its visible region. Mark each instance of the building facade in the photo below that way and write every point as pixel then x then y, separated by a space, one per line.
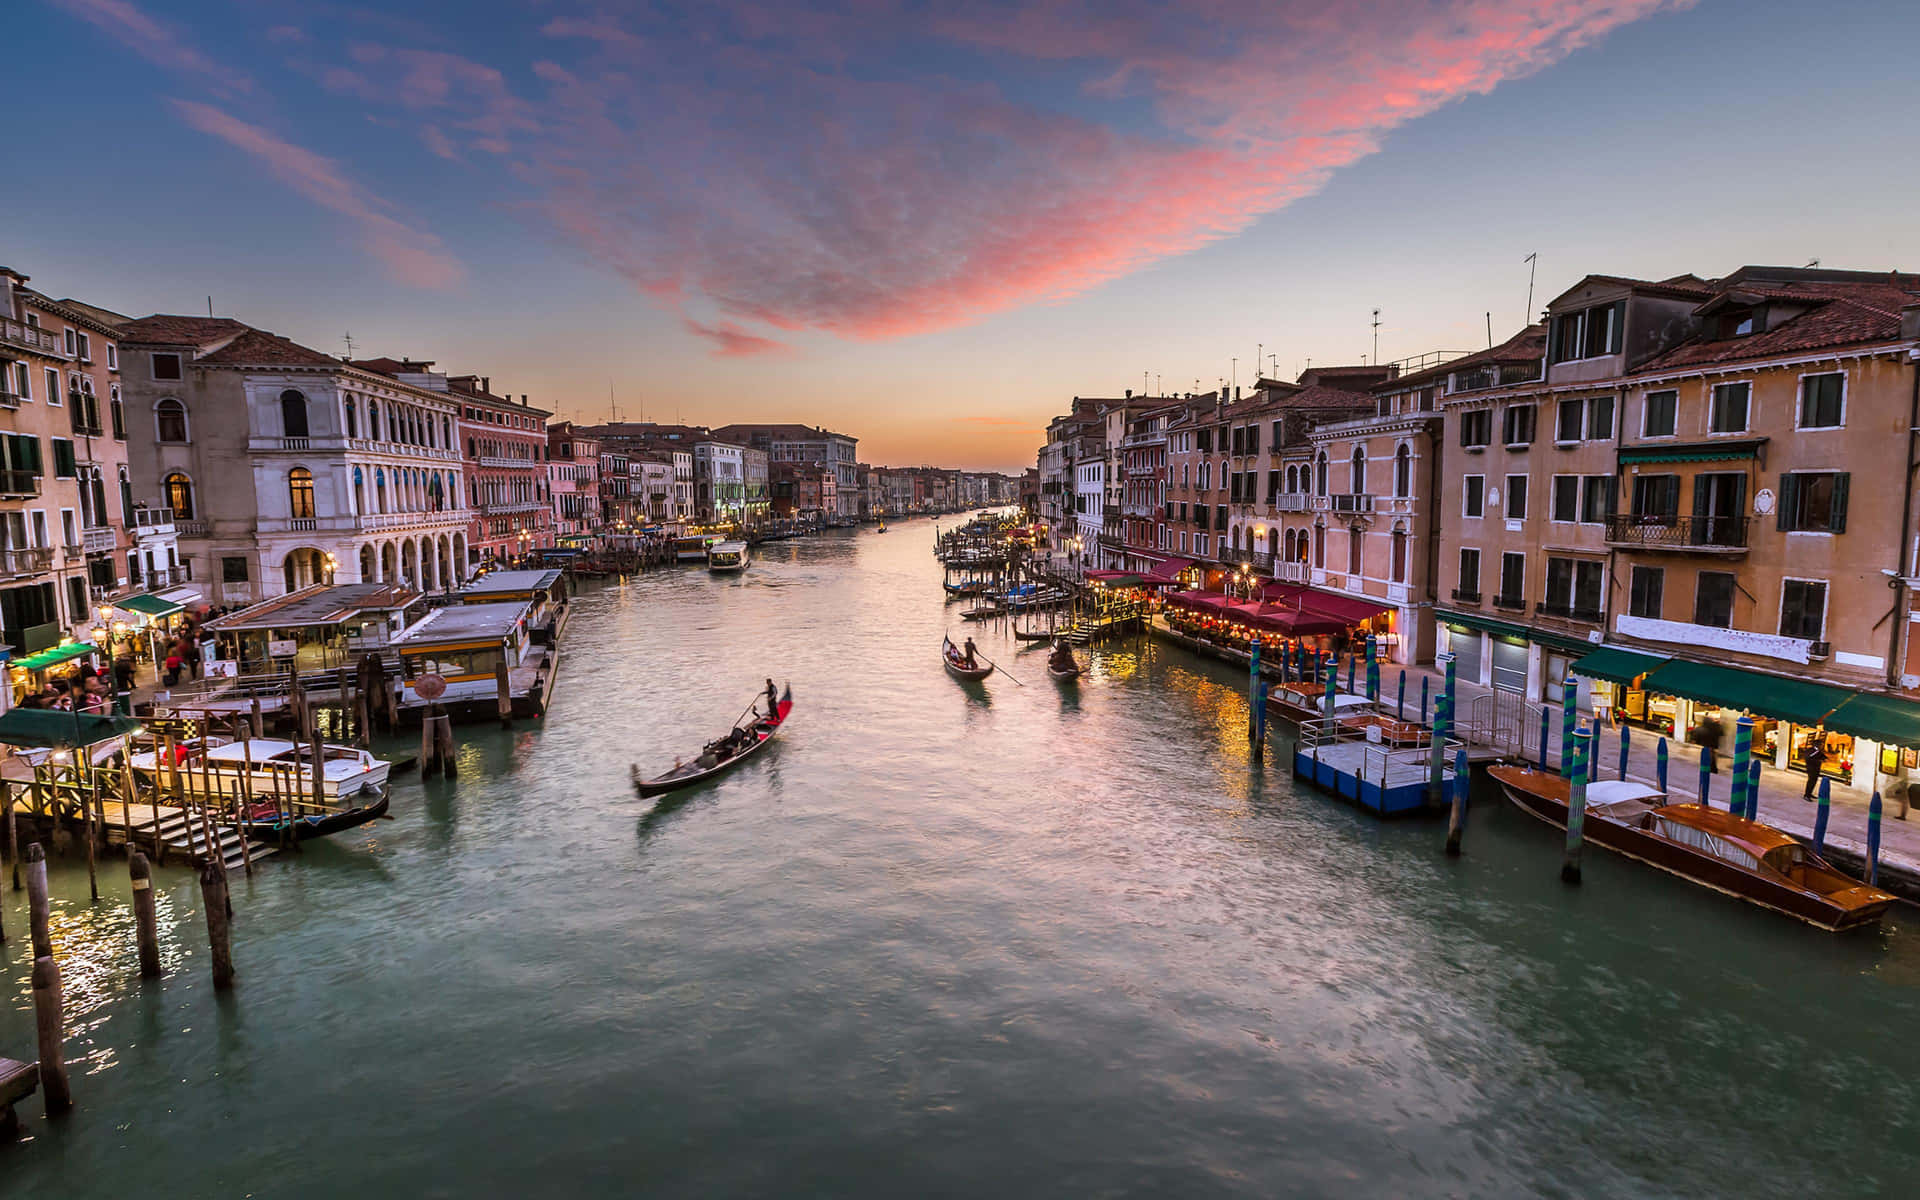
pixel 573 481
pixel 504 449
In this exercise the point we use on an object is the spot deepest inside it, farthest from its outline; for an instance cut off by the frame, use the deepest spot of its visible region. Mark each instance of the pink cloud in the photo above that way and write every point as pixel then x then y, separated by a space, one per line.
pixel 410 256
pixel 154 41
pixel 731 341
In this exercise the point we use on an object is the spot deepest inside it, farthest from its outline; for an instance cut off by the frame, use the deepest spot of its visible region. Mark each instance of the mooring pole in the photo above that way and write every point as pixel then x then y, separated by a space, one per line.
pixel 1577 807
pixel 1457 823
pixel 1660 764
pixel 1820 819
pixel 145 923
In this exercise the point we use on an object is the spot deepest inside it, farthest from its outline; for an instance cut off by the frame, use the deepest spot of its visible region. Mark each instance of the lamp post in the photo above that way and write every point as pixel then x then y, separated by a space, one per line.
pixel 332 565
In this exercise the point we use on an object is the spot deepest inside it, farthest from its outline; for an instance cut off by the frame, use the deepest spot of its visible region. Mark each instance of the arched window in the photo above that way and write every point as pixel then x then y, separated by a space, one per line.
pixel 179 491
pixel 1353 552
pixel 380 488
pixel 300 493
pixel 1290 540
pixel 373 419
pixel 1403 472
pixel 1320 546
pixel 170 421
pixel 1399 555
pixel 117 413
pixel 1320 474
pixel 359 491
pixel 1359 470
pixel 293 413
pixel 1293 479
pixel 353 419
pixel 126 499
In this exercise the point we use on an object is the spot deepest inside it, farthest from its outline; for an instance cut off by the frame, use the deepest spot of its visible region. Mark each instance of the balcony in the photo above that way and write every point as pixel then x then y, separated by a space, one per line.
pixel 26 562
pixel 73 550
pixel 1683 535
pixel 411 520
pixel 153 522
pixel 1291 502
pixel 98 540
pixel 8 399
pixel 19 483
pixel 1292 572
pixel 22 336
pixel 1511 603
pixel 1463 596
pixel 190 528
pixel 1352 502
pixel 512 464
pixel 1567 610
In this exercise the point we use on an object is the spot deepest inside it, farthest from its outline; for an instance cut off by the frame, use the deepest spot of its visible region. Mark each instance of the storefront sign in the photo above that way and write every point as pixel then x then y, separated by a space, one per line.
pixel 1739 641
pixel 282 648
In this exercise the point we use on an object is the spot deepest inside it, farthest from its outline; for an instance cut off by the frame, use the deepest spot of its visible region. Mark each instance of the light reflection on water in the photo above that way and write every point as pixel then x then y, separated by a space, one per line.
pixel 947 939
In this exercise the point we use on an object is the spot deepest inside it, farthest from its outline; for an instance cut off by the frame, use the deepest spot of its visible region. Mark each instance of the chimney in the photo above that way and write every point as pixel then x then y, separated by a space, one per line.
pixel 486 383
pixel 523 400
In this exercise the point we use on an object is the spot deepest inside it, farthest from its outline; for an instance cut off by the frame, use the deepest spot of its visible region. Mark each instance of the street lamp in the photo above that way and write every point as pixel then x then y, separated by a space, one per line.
pixel 333 564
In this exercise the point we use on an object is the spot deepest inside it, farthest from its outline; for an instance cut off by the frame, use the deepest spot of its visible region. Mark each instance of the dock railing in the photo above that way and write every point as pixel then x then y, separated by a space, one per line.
pixel 1412 747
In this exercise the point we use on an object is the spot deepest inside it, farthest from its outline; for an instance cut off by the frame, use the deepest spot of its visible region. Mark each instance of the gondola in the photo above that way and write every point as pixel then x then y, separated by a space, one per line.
pixel 266 823
pixel 1034 635
pixel 687 774
pixel 1065 673
pixel 956 663
pixel 971 587
pixel 983 612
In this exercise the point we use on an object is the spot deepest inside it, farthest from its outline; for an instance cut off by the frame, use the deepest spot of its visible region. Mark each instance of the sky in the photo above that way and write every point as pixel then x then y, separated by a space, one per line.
pixel 930 225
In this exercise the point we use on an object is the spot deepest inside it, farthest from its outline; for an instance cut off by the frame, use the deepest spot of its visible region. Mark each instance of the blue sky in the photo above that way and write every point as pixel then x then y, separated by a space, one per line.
pixel 930 226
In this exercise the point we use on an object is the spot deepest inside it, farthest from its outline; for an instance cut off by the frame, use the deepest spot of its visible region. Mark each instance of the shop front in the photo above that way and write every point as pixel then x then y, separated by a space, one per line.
pixel 1513 658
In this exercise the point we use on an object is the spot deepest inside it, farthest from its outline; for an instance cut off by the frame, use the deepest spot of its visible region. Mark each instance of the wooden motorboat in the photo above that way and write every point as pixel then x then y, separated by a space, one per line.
pixel 724 754
pixel 969 587
pixel 1308 702
pixel 218 764
pixel 266 822
pixel 1393 732
pixel 880 528
pixel 1744 859
pixel 956 663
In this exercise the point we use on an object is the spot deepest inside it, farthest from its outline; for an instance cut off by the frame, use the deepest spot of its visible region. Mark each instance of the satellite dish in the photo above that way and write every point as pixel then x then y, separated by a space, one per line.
pixel 430 686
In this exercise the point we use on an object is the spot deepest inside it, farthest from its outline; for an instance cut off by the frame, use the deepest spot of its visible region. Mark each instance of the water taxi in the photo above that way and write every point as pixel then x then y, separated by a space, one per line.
pixel 543 591
pixel 727 558
pixel 1744 859
pixel 463 646
pixel 693 547
pixel 217 765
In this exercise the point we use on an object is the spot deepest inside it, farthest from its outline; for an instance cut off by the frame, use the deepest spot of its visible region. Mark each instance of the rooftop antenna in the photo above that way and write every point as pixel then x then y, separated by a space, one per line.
pixel 1489 329
pixel 1236 374
pixel 1811 263
pixel 209 305
pixel 1273 360
pixel 1376 335
pixel 1259 356
pixel 1533 264
pixel 348 336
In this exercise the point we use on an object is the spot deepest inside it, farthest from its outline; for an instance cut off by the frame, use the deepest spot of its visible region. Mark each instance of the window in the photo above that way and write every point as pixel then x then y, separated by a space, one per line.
pixel 233 570
pixel 1399 556
pixel 1728 411
pixel 1200 544
pixel 1513 578
pixel 1596 499
pixel 117 413
pixel 1516 497
pixel 1566 498
pixel 170 421
pixel 1644 590
pixel 72 348
pixel 1220 516
pixel 1469 575
pixel 1814 501
pixel 53 385
pixel 1590 332
pixel 1574 588
pixel 1568 419
pixel 1320 474
pixel 1821 401
pixel 63 461
pixel 1656 496
pixel 1359 470
pixel 1353 553
pixel 23 380
pixel 1473 497
pixel 85 352
pixel 1736 324
pixel 1320 545
pixel 113 357
pixel 1516 425
pixel 1476 428
pixel 1657 419
pixel 293 413
pixel 1803 609
pixel 179 491
pixel 1403 472
pixel 1600 418
pixel 166 366
pixel 1713 600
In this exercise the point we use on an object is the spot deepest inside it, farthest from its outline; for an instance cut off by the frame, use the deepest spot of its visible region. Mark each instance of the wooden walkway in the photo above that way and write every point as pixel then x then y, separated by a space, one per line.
pixel 133 824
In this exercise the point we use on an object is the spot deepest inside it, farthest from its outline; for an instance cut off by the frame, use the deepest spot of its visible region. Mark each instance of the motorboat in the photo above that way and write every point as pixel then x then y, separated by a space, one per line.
pixel 727 558
pixel 217 764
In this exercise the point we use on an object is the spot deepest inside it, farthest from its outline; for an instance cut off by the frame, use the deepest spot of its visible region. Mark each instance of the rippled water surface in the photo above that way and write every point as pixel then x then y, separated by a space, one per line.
pixel 942 940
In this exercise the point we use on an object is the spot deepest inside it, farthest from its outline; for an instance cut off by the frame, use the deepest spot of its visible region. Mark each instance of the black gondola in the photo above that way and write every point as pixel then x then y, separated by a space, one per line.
pixel 267 824
pixel 749 740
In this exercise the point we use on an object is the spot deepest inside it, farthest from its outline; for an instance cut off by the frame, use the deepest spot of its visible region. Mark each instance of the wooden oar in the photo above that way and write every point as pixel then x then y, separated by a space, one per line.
pixel 996 666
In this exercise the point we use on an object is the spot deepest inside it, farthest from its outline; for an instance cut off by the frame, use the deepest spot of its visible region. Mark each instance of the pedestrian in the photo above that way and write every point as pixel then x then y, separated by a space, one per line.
pixel 1707 731
pixel 1815 758
pixel 174 663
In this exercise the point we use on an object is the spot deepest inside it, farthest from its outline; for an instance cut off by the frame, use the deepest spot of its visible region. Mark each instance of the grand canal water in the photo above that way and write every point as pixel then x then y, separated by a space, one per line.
pixel 941 941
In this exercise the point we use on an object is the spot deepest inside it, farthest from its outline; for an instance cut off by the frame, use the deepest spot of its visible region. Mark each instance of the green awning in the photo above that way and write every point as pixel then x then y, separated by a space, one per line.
pixel 1482 624
pixel 1723 451
pixel 50 727
pixel 55 656
pixel 1774 696
pixel 1883 718
pixel 148 604
pixel 1617 665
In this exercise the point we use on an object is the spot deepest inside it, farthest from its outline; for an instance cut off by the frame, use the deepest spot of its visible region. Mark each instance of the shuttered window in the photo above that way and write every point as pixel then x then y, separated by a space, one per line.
pixel 1814 501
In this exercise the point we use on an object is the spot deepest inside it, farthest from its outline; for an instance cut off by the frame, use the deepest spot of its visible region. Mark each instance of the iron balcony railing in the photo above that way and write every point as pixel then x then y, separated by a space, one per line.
pixel 1353 502
pixel 1567 609
pixel 1663 532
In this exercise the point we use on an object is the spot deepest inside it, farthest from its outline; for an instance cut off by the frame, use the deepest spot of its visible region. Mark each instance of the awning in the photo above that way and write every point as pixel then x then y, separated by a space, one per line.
pixel 50 727
pixel 1168 570
pixel 1617 665
pixel 1883 718
pixel 1508 629
pixel 1350 609
pixel 1719 451
pixel 1775 696
pixel 55 656
pixel 148 604
pixel 1116 578
pixel 1200 601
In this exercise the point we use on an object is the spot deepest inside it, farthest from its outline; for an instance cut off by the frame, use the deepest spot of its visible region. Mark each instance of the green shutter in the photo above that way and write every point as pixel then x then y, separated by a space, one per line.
pixel 1839 521
pixel 1789 500
pixel 64 463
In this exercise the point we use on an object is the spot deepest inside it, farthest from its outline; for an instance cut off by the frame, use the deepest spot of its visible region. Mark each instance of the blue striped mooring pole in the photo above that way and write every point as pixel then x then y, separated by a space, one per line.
pixel 1706 776
pixel 1820 818
pixel 1742 750
pixel 1400 706
pixel 1873 841
pixel 1753 789
pixel 1457 822
pixel 1577 806
pixel 1660 764
pixel 1626 744
pixel 1569 697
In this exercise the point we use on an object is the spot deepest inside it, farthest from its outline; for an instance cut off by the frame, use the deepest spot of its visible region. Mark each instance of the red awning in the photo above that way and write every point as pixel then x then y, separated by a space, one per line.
pixel 1167 570
pixel 1346 608
pixel 1198 600
pixel 1103 576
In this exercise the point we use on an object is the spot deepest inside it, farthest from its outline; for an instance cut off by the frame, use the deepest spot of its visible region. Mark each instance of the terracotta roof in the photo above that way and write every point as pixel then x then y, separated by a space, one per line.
pixel 1683 286
pixel 165 329
pixel 1842 314
pixel 786 432
pixel 258 348
pixel 394 366
pixel 1527 346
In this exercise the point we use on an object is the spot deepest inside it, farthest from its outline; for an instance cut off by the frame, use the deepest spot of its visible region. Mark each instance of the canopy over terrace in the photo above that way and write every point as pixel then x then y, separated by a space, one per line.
pixel 1259 614
pixel 318 626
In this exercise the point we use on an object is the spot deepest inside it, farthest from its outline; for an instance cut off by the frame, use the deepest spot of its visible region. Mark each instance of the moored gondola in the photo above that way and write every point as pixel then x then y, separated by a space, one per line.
pixel 267 823
pixel 739 744
pixel 957 665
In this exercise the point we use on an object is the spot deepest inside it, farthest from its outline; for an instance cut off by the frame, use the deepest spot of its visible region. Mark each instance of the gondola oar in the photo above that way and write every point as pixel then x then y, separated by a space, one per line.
pixel 996 666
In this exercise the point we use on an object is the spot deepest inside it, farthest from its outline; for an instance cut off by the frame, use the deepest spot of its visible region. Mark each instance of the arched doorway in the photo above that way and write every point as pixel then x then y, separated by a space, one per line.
pixel 304 568
pixel 389 563
pixel 367 569
pixel 409 564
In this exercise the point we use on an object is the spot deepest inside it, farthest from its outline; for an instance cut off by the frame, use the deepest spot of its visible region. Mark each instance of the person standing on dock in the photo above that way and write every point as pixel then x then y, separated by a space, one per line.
pixel 1816 757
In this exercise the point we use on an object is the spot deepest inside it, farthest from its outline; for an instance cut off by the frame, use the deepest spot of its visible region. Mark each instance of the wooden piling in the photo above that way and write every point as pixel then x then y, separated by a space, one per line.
pixel 213 896
pixel 443 739
pixel 145 924
pixel 243 801
pixel 49 1023
pixel 503 694
pixel 429 761
pixel 1457 821
pixel 37 902
pixel 87 827
pixel 255 718
pixel 13 837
